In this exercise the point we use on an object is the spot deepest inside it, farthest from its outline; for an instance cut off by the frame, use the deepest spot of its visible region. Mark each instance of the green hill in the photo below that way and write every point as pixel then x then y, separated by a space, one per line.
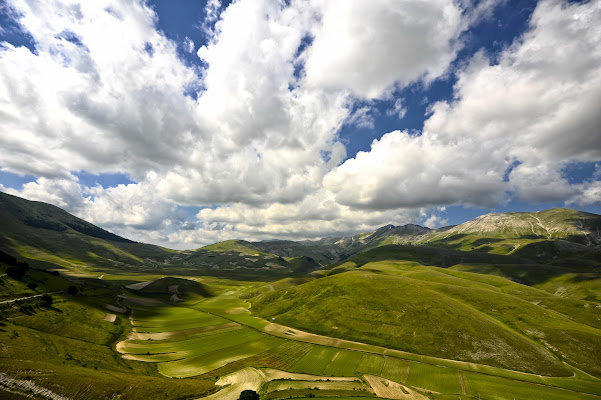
pixel 444 313
pixel 178 286
pixel 47 236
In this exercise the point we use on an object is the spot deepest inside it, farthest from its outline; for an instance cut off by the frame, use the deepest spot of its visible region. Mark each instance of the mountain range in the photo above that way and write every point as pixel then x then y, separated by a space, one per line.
pixel 49 237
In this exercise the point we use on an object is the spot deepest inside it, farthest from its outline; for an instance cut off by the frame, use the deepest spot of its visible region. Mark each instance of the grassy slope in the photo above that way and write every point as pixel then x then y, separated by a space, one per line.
pixel 69 348
pixel 47 236
pixel 442 313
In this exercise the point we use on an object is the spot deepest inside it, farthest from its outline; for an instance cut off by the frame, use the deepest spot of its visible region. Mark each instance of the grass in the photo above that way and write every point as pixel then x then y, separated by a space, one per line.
pixel 343 364
pixel 315 361
pixel 395 369
pixel 173 319
pixel 433 378
pixel 68 349
pixel 199 364
pixel 446 316
pixel 494 388
pixel 370 364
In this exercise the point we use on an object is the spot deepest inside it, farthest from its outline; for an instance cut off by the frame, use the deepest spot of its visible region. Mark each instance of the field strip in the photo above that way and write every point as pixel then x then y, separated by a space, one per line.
pixel 110 317
pixel 331 361
pixel 274 374
pixel 183 332
pixel 244 379
pixel 407 373
pixel 392 390
pixel 285 332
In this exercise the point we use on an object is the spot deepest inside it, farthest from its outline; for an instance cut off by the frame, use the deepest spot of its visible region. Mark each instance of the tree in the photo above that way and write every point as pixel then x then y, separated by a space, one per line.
pixel 46 300
pixel 249 395
pixel 72 290
pixel 32 285
pixel 18 270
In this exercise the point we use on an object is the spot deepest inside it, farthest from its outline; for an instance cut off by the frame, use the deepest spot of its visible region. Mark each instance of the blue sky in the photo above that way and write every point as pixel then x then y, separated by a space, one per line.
pixel 187 124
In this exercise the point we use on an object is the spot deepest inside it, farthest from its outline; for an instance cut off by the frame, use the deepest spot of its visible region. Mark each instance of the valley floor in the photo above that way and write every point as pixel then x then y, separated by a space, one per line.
pixel 247 352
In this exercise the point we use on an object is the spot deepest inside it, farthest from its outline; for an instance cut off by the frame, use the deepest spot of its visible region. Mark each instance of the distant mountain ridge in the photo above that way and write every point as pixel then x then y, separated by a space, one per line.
pixel 49 235
pixel 540 235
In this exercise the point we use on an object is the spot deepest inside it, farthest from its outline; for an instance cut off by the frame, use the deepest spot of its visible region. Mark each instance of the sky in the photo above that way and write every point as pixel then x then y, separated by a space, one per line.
pixel 190 122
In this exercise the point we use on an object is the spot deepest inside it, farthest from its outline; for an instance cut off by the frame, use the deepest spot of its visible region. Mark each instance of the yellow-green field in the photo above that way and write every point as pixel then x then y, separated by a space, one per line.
pixel 222 338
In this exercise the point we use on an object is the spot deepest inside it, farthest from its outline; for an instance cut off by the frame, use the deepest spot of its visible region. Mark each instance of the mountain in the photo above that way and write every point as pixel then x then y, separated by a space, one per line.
pixel 557 236
pixel 47 236
pixel 329 250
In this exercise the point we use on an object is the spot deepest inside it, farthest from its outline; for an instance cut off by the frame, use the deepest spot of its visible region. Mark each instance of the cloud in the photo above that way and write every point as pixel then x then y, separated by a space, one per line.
pixel 362 118
pixel 398 110
pixel 369 47
pixel 402 170
pixel 63 193
pixel 189 45
pixel 537 107
pixel 93 96
pixel 256 144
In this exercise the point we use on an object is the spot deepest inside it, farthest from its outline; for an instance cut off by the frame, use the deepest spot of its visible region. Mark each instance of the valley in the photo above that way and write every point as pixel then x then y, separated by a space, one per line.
pixel 502 307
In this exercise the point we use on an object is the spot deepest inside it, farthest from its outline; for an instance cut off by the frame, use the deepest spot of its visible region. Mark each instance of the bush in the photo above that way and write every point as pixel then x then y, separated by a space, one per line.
pixel 46 300
pixel 72 290
pixel 18 271
pixel 249 395
pixel 32 285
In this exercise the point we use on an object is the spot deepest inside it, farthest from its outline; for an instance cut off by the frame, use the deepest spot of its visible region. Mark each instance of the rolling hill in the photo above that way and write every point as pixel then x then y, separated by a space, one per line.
pixel 444 313
pixel 49 237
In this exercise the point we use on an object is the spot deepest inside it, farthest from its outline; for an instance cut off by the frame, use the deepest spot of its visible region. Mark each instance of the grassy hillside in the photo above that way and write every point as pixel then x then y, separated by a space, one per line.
pixel 47 236
pixel 68 347
pixel 443 313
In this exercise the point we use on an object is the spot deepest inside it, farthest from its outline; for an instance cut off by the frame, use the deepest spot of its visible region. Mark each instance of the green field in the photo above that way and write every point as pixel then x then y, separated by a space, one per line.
pixel 396 370
pixel 344 363
pixel 437 379
pixel 315 361
pixel 495 322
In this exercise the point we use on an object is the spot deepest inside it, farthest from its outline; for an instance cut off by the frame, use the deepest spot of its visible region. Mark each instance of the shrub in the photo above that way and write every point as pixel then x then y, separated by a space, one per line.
pixel 249 395
pixel 46 300
pixel 32 285
pixel 18 270
pixel 72 290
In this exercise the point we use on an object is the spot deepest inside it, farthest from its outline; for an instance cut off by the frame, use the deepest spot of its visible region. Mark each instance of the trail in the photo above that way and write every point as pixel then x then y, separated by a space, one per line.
pixel 461 382
pixel 28 297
